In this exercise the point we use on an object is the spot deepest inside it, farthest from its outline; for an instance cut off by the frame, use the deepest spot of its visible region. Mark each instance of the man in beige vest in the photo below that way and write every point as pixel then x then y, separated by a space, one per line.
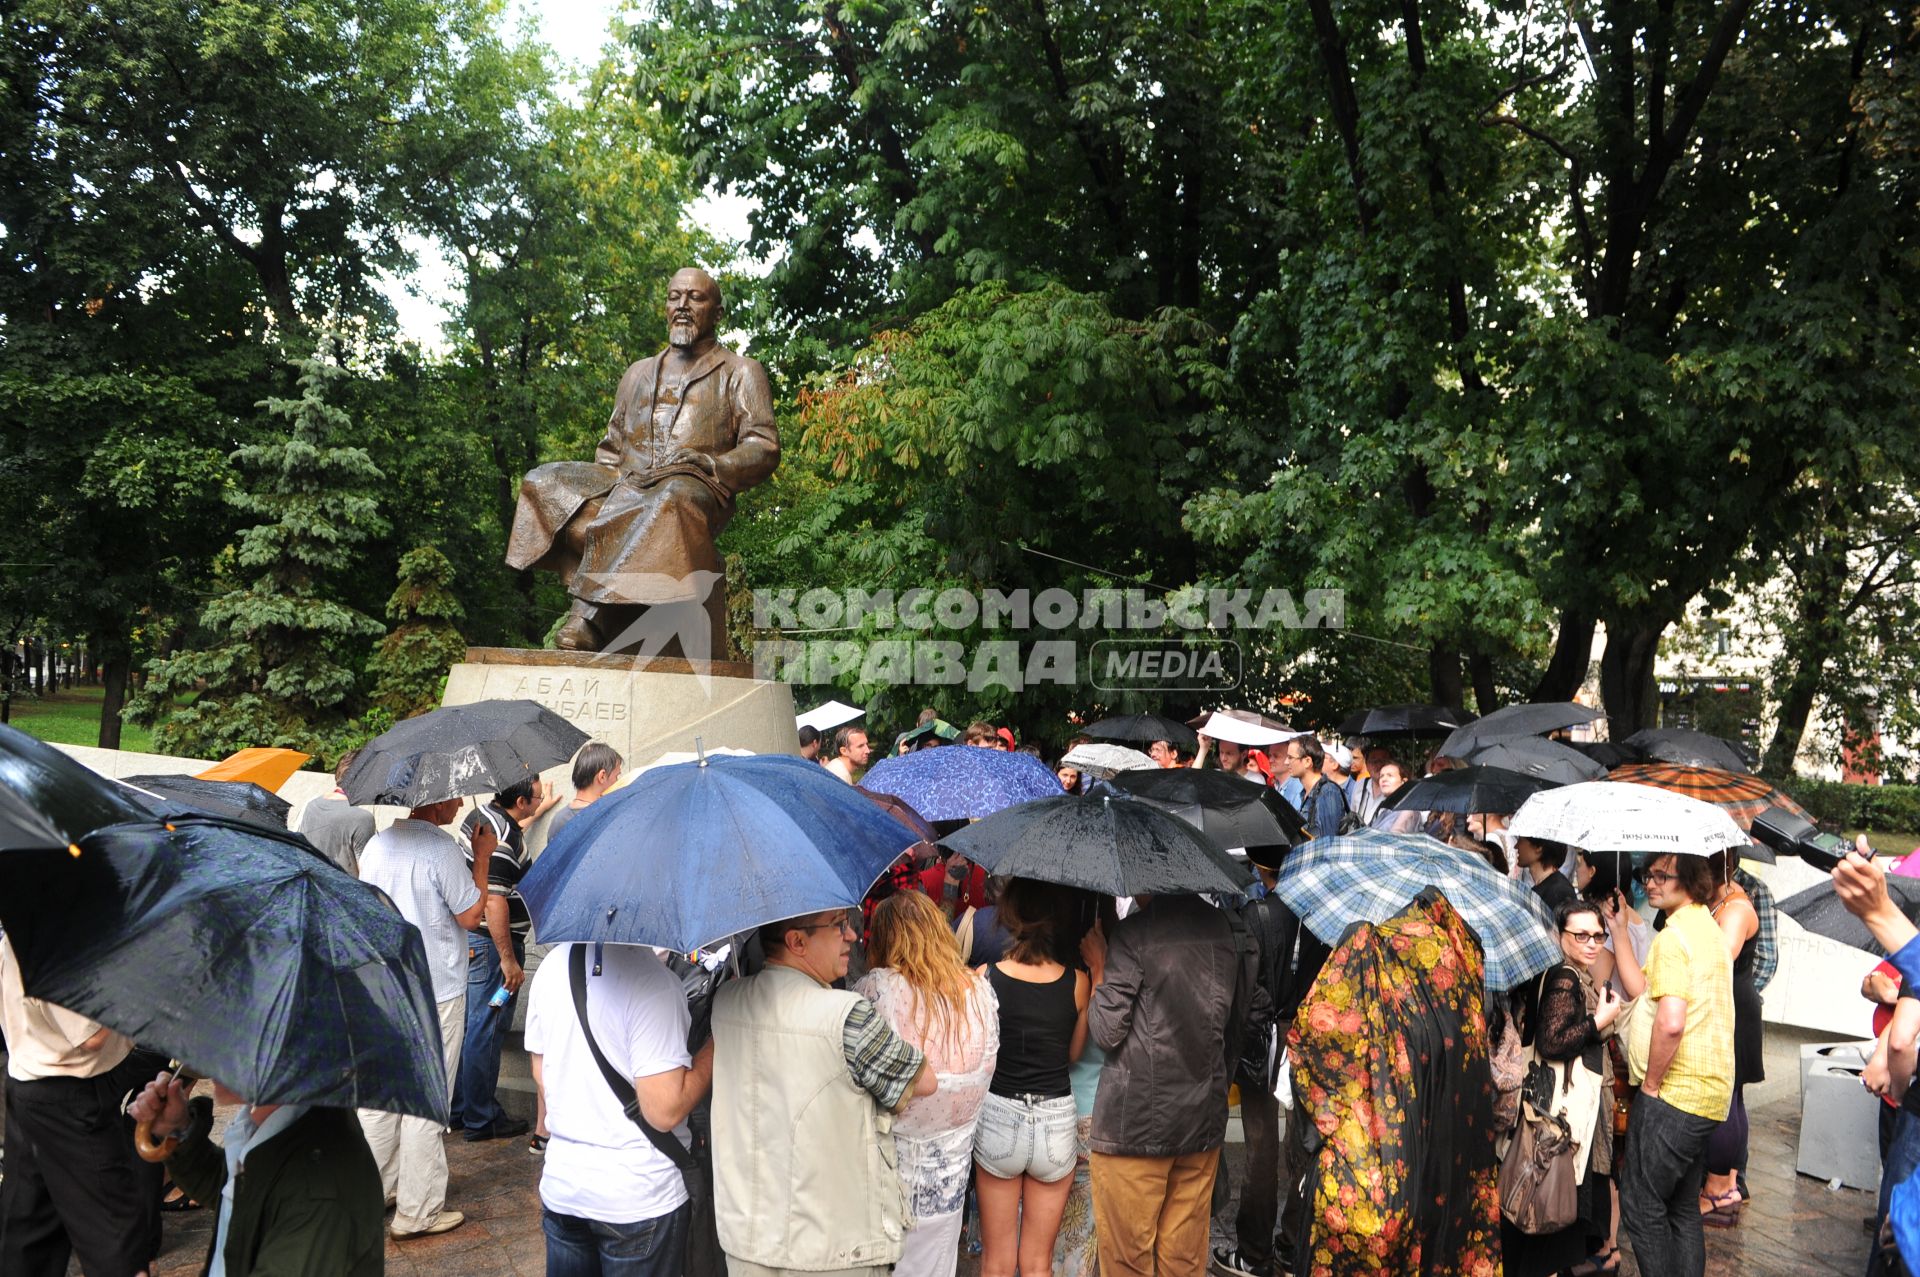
pixel 806 1079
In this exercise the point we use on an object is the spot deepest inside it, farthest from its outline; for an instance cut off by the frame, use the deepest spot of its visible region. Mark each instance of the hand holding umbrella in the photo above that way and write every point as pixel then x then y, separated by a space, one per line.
pixel 1862 887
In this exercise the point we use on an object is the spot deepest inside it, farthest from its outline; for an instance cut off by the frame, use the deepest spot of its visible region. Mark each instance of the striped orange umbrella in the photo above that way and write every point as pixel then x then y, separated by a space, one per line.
pixel 1741 796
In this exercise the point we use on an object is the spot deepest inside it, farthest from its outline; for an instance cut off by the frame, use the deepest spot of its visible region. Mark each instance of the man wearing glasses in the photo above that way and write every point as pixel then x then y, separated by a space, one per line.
pixel 1686 1026
pixel 806 1079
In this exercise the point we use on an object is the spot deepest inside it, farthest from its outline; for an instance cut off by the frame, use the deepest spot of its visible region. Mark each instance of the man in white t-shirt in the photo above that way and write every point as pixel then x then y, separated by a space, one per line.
pixel 606 1192
pixel 420 867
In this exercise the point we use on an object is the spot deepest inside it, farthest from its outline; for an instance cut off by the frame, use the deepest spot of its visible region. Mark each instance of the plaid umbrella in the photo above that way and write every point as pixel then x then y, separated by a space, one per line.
pixel 1741 797
pixel 1371 876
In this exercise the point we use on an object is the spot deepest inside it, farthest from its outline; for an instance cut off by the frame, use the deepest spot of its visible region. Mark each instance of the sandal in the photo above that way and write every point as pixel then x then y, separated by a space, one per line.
pixel 176 1199
pixel 537 1145
pixel 1722 1210
pixel 1604 1263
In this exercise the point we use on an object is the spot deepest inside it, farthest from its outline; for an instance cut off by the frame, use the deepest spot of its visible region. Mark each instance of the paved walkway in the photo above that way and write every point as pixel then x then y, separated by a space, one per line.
pixel 1793 1227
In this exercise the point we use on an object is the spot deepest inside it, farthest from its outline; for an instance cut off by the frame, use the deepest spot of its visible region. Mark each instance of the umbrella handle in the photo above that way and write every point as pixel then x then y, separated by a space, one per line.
pixel 149 1151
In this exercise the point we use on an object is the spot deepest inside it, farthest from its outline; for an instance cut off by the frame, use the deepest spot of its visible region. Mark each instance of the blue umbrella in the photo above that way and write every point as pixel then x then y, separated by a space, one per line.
pixel 1370 876
pixel 959 782
pixel 244 955
pixel 690 854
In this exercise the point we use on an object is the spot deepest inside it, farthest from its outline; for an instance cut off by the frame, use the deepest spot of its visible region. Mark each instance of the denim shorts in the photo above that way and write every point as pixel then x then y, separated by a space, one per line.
pixel 1027 1136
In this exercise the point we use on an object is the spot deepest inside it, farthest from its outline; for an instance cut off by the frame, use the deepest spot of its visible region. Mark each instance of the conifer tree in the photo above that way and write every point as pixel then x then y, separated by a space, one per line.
pixel 275 662
pixel 411 666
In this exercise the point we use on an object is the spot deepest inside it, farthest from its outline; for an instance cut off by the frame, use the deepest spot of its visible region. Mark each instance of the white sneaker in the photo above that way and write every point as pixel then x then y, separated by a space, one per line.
pixel 445 1222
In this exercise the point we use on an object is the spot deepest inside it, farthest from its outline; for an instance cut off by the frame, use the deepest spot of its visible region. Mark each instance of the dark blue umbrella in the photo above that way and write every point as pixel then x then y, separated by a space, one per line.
pixel 690 854
pixel 244 955
pixel 960 782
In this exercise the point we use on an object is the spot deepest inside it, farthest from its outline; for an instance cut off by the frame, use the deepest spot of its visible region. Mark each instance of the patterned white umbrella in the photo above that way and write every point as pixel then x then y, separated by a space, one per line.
pixel 1600 816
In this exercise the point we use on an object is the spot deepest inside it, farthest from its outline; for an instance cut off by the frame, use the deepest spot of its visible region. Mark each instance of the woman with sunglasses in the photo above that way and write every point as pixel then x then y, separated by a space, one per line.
pixel 1567 1016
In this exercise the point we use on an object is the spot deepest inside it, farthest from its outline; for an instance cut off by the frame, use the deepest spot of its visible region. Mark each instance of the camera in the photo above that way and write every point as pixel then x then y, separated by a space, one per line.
pixel 1793 835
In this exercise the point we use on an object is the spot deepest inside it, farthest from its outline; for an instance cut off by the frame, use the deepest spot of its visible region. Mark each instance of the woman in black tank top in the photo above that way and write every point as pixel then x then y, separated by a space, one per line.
pixel 1025 1145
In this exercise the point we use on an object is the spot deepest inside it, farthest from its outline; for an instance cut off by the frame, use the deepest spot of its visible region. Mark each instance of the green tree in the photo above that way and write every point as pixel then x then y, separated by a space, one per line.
pixel 410 666
pixel 277 666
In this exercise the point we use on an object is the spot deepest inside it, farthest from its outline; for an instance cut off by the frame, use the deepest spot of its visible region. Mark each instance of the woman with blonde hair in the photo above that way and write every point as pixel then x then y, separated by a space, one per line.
pixel 930 998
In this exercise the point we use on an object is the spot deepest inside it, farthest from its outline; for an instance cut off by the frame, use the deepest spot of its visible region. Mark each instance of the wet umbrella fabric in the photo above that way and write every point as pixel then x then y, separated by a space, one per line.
pixel 1609 753
pixel 233 799
pixel 1144 729
pixel 1741 796
pixel 1405 720
pixel 1819 909
pixel 956 782
pixel 1101 760
pixel 1691 748
pixel 23 828
pixel 691 854
pixel 1113 845
pixel 1531 719
pixel 265 766
pixel 65 796
pixel 1370 876
pixel 1534 756
pixel 1230 810
pixel 1602 816
pixel 459 750
pixel 1468 790
pixel 244 955
pixel 901 810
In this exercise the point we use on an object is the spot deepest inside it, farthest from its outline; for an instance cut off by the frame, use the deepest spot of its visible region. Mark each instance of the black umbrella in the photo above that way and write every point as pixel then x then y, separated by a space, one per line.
pixel 1116 846
pixel 241 954
pixel 1609 753
pixel 1470 789
pixel 1532 719
pixel 234 799
pixel 1819 910
pixel 458 750
pixel 50 794
pixel 1404 720
pixel 1535 756
pixel 1691 748
pixel 1232 811
pixel 1144 729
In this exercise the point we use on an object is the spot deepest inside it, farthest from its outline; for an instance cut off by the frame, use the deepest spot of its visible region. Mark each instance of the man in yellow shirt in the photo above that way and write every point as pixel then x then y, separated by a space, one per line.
pixel 1688 1086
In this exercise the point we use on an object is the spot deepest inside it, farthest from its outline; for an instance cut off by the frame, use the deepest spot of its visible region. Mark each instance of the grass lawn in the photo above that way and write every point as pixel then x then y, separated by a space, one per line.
pixel 1889 844
pixel 72 718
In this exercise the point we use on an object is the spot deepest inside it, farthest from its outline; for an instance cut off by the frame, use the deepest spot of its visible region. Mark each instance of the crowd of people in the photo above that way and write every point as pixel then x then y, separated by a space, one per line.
pixel 842 1091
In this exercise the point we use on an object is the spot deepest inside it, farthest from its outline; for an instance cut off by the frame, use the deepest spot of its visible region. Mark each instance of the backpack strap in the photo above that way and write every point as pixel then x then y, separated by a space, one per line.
pixel 623 1090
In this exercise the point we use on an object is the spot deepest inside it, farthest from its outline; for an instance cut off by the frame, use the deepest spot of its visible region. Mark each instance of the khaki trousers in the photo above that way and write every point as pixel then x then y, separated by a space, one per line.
pixel 737 1267
pixel 1150 1214
pixel 408 1150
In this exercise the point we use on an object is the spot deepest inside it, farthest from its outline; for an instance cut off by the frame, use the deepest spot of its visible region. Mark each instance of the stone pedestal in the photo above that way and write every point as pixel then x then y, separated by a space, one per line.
pixel 643 708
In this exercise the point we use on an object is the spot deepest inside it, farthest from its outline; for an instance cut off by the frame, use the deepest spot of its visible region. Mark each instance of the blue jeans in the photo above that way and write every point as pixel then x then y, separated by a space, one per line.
pixel 1901 1160
pixel 474 1104
pixel 1660 1179
pixel 589 1248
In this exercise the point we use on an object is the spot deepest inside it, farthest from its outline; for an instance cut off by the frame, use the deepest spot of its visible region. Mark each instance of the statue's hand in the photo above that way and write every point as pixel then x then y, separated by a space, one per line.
pixel 689 457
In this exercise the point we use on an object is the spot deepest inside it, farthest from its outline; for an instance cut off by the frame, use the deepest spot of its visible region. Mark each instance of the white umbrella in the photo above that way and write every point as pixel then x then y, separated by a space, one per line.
pixel 1593 815
pixel 824 718
pixel 1101 760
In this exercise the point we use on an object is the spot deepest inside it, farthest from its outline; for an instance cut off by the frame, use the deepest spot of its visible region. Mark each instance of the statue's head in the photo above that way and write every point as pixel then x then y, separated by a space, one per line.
pixel 694 307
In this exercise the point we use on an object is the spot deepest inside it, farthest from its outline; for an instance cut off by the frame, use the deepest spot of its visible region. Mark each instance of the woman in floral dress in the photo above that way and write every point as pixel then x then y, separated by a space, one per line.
pixel 1390 1060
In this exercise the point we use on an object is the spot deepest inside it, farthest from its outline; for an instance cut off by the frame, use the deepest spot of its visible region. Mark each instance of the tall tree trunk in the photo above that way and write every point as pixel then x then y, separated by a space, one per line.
pixel 1486 698
pixel 1627 686
pixel 1443 670
pixel 1796 706
pixel 1566 671
pixel 118 666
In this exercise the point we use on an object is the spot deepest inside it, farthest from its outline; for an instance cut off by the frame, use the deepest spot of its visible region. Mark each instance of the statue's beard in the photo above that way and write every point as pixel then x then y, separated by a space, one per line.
pixel 682 333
